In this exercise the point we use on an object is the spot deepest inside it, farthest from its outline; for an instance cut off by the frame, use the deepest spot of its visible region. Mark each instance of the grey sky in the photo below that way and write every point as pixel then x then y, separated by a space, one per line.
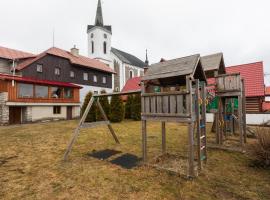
pixel 172 28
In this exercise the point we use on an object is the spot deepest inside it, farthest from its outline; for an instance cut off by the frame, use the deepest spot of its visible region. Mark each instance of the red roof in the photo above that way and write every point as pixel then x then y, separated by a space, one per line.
pixel 77 60
pixel 132 84
pixel 13 54
pixel 253 75
pixel 267 91
pixel 32 80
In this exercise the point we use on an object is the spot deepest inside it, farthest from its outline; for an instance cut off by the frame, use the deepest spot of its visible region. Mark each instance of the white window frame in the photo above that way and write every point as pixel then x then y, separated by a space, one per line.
pixel 85 76
pixel 95 78
pixel 104 79
pixel 39 68
pixel 57 71
pixel 72 74
pixel 132 72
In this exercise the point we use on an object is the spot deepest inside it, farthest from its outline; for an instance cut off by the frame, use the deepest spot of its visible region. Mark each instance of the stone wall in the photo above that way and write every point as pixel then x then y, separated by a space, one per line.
pixel 4 110
pixel 27 114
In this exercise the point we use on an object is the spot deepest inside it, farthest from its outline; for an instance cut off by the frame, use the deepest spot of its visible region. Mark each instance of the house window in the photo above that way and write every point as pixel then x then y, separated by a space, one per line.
pixel 39 68
pixel 105 36
pixel 72 74
pixel 130 74
pixel 105 47
pixel 104 80
pixel 68 93
pixel 57 110
pixel 95 78
pixel 26 90
pixel 57 71
pixel 85 76
pixel 117 89
pixel 56 92
pixel 95 92
pixel 93 47
pixel 41 91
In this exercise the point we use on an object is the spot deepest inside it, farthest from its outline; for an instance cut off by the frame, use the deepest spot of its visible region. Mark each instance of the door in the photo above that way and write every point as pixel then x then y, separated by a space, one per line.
pixel 69 112
pixel 15 114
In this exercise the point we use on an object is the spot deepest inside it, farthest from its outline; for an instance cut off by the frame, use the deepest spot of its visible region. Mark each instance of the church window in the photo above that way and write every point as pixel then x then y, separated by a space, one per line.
pixel 104 47
pixel 93 46
pixel 92 35
pixel 105 36
pixel 130 74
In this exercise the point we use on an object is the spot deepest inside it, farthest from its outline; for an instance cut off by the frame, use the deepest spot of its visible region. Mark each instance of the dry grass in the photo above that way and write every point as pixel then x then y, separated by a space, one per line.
pixel 31 166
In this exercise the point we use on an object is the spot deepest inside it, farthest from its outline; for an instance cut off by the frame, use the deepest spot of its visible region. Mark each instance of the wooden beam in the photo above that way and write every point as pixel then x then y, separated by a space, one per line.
pixel 118 93
pixel 163 129
pixel 198 132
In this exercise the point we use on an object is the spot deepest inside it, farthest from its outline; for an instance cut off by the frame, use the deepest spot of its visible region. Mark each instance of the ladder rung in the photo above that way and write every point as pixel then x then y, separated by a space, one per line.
pixel 202 137
pixel 203 147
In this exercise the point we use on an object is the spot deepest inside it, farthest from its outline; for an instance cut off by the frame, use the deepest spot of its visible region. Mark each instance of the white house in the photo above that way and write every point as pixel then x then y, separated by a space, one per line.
pixel 124 64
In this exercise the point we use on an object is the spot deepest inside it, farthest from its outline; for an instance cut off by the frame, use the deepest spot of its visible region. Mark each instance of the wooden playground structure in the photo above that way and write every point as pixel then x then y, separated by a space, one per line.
pixel 176 91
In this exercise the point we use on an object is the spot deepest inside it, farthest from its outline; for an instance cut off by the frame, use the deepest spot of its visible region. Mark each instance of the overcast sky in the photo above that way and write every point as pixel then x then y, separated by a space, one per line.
pixel 169 29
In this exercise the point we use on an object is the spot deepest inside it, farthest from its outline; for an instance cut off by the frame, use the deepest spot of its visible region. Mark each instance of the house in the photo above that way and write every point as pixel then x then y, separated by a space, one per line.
pixel 125 65
pixel 10 57
pixel 24 100
pixel 56 64
pixel 253 75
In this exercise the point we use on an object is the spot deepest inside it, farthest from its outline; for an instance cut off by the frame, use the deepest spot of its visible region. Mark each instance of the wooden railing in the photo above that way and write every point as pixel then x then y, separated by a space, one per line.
pixel 166 104
pixel 228 82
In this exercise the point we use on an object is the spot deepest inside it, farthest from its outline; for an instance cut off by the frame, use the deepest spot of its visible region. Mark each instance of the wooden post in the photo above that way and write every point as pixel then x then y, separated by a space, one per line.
pixel 240 117
pixel 198 122
pixel 203 90
pixel 144 141
pixel 77 130
pixel 163 129
pixel 191 172
pixel 109 124
pixel 244 110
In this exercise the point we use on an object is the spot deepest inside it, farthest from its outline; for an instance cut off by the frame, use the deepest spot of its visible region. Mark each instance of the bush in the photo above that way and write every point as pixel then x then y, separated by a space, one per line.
pixel 117 109
pixel 261 149
pixel 136 107
pixel 105 105
pixel 91 117
pixel 128 106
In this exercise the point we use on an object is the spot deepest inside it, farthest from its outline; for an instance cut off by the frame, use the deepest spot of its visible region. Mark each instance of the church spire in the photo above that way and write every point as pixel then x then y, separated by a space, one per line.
pixel 146 59
pixel 99 17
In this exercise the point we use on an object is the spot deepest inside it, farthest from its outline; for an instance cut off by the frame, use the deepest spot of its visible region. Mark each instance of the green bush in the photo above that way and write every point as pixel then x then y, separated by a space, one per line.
pixel 117 109
pixel 105 105
pixel 136 107
pixel 91 117
pixel 128 106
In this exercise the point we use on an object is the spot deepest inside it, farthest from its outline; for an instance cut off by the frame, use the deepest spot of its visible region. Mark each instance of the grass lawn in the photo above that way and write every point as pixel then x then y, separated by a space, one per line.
pixel 31 166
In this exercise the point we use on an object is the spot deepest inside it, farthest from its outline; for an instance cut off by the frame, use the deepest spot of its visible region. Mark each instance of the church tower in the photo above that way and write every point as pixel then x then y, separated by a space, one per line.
pixel 99 38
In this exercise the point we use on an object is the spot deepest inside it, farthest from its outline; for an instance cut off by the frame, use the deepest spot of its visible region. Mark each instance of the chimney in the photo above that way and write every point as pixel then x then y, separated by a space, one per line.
pixel 146 63
pixel 74 51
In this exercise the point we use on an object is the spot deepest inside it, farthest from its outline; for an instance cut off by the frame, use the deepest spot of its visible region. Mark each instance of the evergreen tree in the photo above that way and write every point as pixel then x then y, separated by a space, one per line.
pixel 136 107
pixel 91 117
pixel 117 109
pixel 128 106
pixel 105 105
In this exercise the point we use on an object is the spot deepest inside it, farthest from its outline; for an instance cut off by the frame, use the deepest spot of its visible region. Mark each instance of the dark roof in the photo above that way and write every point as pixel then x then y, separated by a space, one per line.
pixel 32 80
pixel 128 58
pixel 213 62
pixel 99 17
pixel 172 68
pixel 106 28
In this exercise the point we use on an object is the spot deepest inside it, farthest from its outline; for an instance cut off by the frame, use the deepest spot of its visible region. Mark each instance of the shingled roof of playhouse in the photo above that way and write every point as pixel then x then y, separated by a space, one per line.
pixel 213 62
pixel 189 65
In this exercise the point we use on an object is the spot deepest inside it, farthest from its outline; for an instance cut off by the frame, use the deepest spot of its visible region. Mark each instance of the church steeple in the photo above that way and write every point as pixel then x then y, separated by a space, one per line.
pixel 99 17
pixel 146 59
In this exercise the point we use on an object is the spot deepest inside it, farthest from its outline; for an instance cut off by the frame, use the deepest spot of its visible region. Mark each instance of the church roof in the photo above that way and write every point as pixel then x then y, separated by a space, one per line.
pixel 99 17
pixel 128 58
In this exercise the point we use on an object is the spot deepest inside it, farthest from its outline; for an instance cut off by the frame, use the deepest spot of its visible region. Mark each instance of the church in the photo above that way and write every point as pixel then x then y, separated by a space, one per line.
pixel 125 65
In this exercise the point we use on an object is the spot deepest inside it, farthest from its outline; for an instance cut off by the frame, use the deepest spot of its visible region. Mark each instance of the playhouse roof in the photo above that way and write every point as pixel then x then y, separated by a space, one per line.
pixel 213 62
pixel 174 68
